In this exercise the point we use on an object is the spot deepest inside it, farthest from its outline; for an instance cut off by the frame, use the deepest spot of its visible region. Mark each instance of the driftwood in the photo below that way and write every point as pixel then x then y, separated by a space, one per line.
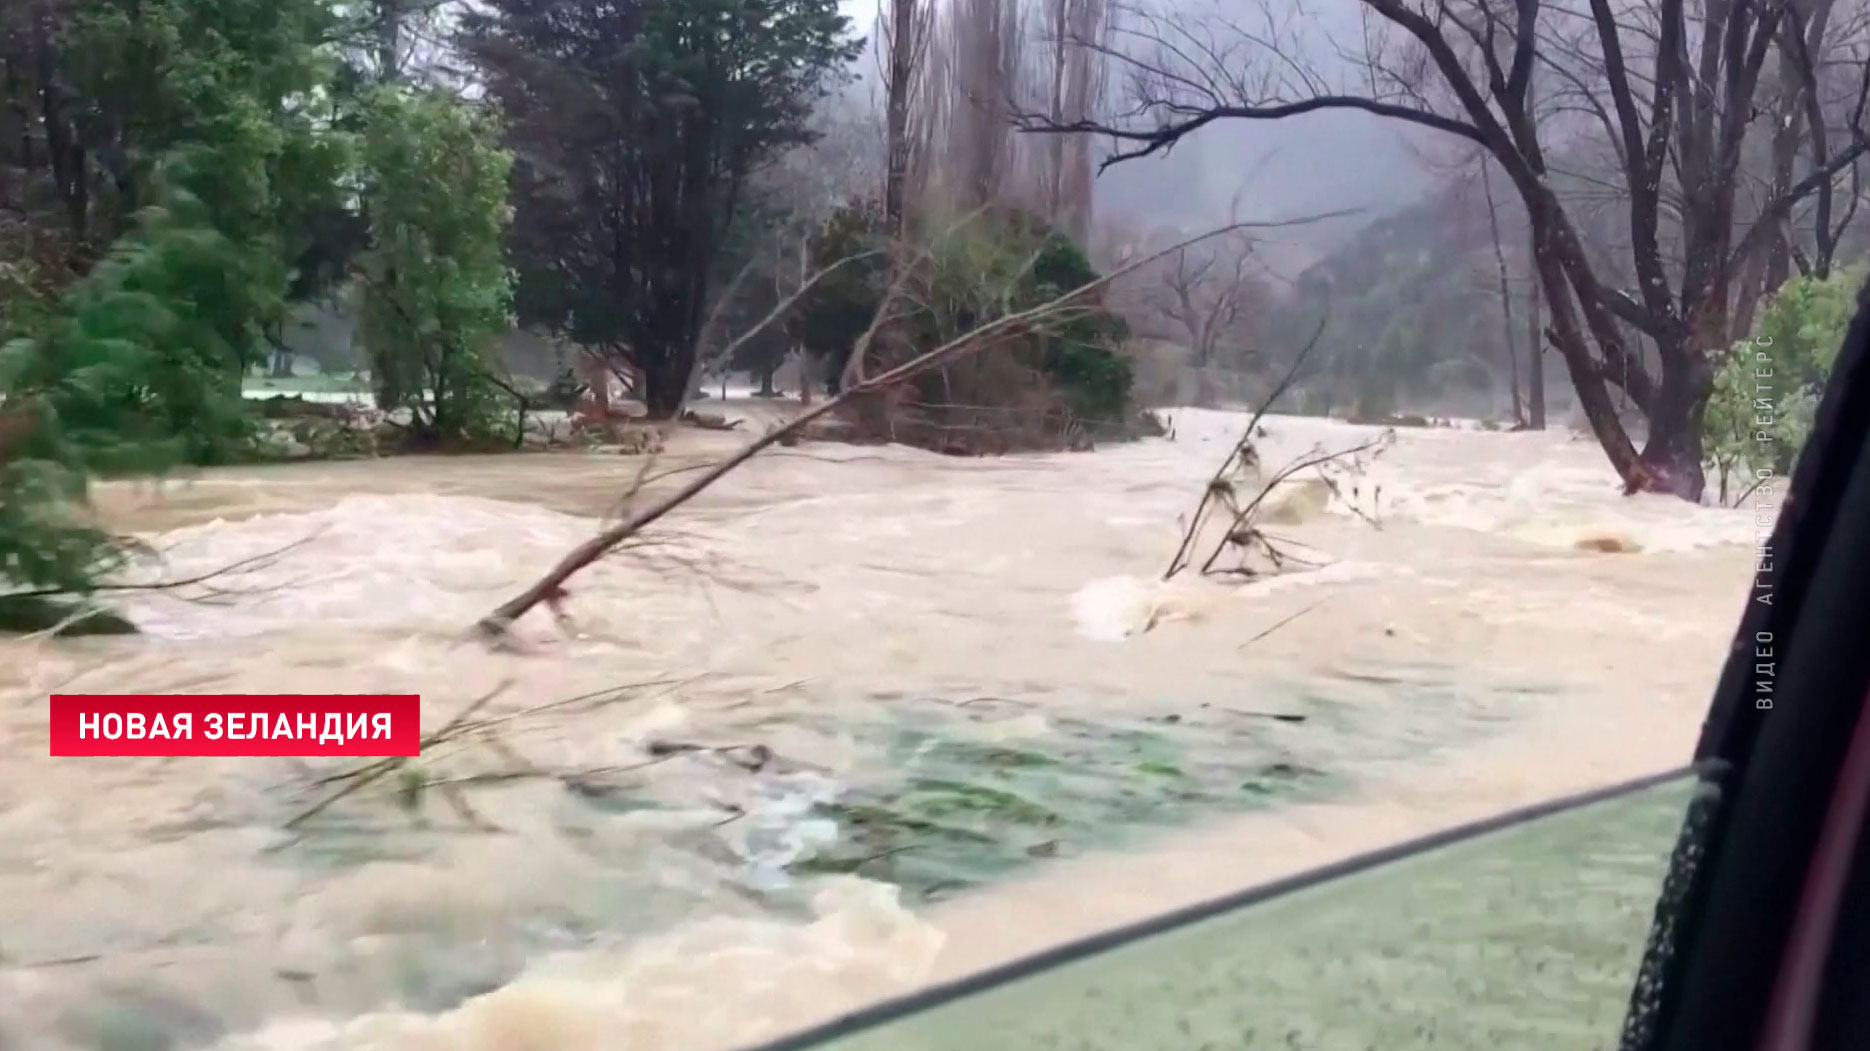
pixel 496 623
pixel 710 421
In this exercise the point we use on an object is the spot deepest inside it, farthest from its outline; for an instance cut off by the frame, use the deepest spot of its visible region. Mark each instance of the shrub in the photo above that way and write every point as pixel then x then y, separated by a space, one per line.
pixel 1766 387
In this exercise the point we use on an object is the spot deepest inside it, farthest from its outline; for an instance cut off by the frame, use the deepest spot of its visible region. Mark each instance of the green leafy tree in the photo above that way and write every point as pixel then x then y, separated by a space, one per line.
pixel 184 151
pixel 985 270
pixel 436 291
pixel 126 376
pixel 828 320
pixel 637 124
pixel 1766 387
pixel 233 77
pixel 1081 350
pixel 1067 368
pixel 198 111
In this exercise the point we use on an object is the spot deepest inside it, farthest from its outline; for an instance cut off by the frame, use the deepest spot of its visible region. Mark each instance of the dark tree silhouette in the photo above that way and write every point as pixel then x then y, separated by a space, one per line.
pixel 635 125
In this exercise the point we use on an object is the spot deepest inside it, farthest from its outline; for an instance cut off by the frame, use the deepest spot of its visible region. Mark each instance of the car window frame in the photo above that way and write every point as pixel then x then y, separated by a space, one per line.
pixel 900 1008
pixel 1777 767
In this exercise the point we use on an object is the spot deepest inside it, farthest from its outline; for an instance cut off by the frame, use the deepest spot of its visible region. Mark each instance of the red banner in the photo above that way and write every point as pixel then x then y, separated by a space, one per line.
pixel 236 724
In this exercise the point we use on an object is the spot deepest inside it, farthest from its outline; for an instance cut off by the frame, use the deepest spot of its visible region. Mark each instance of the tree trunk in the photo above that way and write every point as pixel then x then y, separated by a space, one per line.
pixel 65 154
pixel 1506 297
pixel 1671 461
pixel 281 367
pixel 1586 371
pixel 903 47
pixel 766 380
pixel 384 382
pixel 389 42
pixel 1535 349
pixel 664 391
pixel 1764 270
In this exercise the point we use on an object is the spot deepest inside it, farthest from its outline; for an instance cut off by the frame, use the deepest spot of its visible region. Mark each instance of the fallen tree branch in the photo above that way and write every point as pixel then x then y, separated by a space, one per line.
pixel 372 772
pixel 413 779
pixel 250 562
pixel 622 507
pixel 497 622
pixel 1241 533
pixel 1241 454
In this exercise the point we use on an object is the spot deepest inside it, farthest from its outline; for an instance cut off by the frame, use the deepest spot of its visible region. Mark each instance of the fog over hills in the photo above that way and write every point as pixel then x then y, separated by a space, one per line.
pixel 1321 162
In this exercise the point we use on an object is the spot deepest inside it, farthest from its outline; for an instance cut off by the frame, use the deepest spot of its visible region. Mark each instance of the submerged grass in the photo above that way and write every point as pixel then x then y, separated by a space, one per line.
pixel 967 795
pixel 957 810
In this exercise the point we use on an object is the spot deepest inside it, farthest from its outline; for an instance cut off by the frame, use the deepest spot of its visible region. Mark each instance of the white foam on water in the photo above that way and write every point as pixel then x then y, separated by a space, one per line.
pixel 872 578
pixel 1543 488
pixel 408 561
pixel 711 986
pixel 1112 609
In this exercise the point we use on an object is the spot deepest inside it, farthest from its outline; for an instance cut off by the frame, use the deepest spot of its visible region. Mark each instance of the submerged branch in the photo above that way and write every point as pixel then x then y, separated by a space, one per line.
pixel 1242 533
pixel 251 562
pixel 1241 453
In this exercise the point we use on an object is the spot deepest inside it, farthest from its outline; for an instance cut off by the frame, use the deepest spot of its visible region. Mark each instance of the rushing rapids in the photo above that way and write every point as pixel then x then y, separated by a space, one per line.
pixel 1491 623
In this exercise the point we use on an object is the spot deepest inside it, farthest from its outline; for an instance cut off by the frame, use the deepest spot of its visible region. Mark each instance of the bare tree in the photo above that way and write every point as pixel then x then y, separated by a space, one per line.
pixel 905 38
pixel 1673 88
pixel 1076 30
pixel 982 63
pixel 1207 294
pixel 1535 356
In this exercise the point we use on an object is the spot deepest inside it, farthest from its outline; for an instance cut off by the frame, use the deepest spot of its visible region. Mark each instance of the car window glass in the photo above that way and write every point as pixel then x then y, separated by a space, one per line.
pixel 1524 937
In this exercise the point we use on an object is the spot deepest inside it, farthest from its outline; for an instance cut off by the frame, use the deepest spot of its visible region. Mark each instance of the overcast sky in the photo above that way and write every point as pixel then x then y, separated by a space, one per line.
pixel 1320 162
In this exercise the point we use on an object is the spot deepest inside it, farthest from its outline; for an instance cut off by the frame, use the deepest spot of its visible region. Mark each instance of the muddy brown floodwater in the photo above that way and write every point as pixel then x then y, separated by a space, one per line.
pixel 831 604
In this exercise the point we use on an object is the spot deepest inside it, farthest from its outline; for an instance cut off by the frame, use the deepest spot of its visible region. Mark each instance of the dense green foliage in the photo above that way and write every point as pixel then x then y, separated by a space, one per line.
pixel 1066 368
pixel 189 170
pixel 174 184
pixel 136 370
pixel 636 126
pixel 434 287
pixel 1766 388
pixel 192 173
pixel 847 252
pixel 1081 349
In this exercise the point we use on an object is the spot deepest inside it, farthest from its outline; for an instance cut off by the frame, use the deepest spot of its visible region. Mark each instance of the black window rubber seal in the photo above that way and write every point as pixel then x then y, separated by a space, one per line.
pixel 1086 948
pixel 1801 633
pixel 1843 1022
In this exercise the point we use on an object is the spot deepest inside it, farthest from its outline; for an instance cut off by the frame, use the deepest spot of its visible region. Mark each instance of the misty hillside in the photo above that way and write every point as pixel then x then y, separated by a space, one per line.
pixel 1416 317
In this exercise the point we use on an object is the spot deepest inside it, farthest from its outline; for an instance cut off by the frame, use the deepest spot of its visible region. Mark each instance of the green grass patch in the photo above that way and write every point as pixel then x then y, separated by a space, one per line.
pixel 956 810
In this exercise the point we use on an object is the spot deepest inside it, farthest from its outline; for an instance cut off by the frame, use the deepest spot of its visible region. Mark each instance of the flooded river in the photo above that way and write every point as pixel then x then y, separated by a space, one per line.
pixel 853 721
